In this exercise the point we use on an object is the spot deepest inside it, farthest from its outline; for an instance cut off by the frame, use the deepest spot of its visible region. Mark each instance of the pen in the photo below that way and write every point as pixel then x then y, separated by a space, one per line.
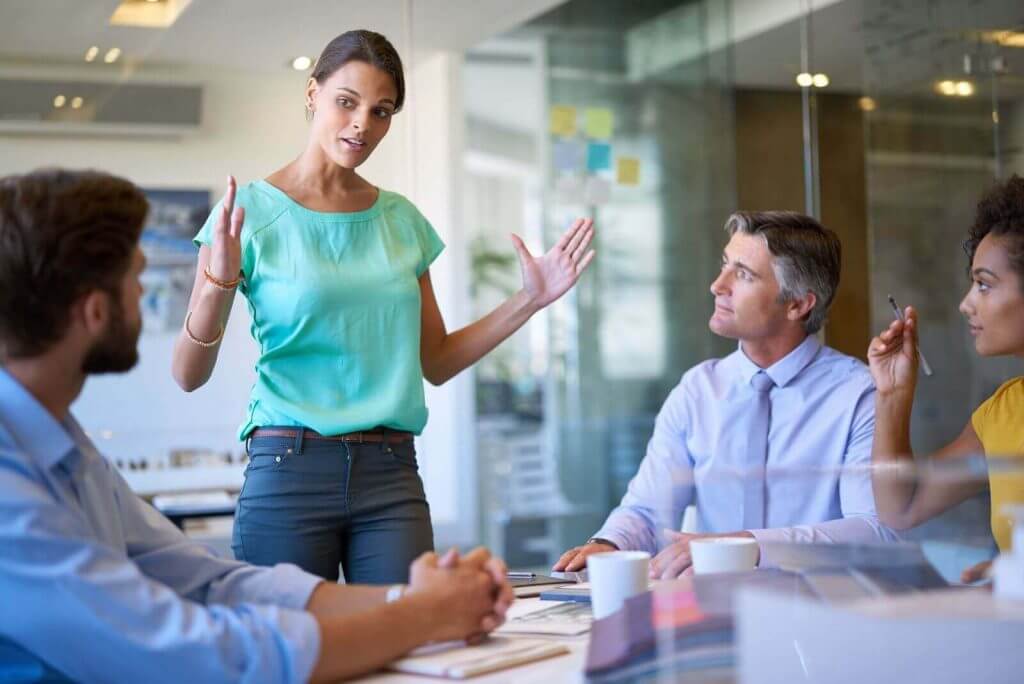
pixel 521 575
pixel 899 317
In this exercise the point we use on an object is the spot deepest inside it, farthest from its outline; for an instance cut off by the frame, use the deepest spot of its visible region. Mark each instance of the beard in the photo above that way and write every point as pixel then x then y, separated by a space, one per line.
pixel 117 351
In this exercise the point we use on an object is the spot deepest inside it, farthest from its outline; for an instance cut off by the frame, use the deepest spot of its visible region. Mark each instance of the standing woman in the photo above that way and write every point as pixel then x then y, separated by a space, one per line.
pixel 994 309
pixel 335 271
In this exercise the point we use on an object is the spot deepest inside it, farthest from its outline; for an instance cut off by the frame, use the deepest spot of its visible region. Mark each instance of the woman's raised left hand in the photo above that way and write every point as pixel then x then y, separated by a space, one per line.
pixel 548 277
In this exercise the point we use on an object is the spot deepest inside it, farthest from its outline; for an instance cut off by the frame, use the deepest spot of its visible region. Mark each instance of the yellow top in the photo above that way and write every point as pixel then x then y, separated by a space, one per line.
pixel 999 424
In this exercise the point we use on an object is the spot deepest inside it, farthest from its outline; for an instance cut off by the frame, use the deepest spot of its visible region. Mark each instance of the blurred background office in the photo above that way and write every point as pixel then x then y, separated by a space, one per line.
pixel 884 118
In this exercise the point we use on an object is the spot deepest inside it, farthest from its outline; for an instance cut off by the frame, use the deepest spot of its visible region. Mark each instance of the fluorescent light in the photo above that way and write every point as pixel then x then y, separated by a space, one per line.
pixel 1004 38
pixel 964 88
pixel 59 101
pixel 150 14
pixel 112 55
pixel 91 53
pixel 76 102
pixel 867 104
pixel 804 80
pixel 820 81
pixel 301 63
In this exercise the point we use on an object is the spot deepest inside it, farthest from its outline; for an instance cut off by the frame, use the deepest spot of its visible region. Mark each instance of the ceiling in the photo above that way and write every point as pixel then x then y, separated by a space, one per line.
pixel 251 34
pixel 887 46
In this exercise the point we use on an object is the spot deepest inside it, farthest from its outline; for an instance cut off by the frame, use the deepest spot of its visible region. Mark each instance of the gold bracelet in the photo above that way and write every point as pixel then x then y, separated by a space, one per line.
pixel 196 340
pixel 221 284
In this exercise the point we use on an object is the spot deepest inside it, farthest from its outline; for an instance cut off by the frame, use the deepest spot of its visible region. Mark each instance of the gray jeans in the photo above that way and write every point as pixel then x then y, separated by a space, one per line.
pixel 320 504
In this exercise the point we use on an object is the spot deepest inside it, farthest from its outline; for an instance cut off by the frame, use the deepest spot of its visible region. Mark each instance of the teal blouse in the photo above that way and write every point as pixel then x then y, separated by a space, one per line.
pixel 335 305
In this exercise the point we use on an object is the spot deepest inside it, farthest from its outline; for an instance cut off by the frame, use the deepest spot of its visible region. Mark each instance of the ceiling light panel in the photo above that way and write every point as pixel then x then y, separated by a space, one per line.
pixel 146 14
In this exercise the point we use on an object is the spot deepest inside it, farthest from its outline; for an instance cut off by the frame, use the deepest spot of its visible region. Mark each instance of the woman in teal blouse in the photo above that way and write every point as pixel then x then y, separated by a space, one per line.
pixel 336 275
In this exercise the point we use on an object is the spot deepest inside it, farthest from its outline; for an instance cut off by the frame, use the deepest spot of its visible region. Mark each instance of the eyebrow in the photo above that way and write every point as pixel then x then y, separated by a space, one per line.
pixel 980 271
pixel 387 100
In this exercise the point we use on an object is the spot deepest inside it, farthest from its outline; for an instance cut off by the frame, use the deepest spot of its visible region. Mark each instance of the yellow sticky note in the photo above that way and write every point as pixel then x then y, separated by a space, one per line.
pixel 599 122
pixel 563 121
pixel 627 170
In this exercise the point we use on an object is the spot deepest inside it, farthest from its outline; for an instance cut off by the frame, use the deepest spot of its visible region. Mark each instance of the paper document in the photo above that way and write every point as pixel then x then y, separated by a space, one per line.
pixel 458 661
pixel 564 619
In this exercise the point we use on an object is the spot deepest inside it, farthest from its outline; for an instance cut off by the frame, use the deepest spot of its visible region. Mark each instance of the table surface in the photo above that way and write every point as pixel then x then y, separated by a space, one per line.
pixel 564 668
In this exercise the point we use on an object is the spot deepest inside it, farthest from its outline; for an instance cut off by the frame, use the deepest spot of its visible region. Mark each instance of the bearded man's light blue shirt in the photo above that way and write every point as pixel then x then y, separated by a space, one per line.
pixel 96 585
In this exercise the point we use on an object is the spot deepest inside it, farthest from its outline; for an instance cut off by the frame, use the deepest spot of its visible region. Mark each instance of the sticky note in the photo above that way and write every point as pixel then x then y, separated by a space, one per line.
pixel 563 121
pixel 598 123
pixel 599 156
pixel 569 190
pixel 567 155
pixel 597 191
pixel 627 171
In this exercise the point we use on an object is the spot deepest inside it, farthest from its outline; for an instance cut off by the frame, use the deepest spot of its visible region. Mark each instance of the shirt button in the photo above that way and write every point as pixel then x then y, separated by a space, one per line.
pixel 277 458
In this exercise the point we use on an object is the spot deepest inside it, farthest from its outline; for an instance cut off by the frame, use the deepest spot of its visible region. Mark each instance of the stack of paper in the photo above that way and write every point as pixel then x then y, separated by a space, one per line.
pixel 459 661
pixel 546 617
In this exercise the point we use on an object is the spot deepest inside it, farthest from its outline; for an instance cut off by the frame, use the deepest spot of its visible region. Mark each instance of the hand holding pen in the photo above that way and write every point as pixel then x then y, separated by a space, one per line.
pixel 893 356
pixel 900 317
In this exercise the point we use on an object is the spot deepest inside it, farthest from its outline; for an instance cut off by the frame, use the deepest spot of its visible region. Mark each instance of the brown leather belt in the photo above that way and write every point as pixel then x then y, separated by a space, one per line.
pixel 371 436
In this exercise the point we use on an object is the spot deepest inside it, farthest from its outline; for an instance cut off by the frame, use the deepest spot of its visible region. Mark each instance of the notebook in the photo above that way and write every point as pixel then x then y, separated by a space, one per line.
pixel 456 660
pixel 579 593
pixel 533 586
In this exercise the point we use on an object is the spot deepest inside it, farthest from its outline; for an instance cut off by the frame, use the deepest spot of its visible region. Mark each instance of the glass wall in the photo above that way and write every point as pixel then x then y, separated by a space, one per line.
pixel 659 119
pixel 172 97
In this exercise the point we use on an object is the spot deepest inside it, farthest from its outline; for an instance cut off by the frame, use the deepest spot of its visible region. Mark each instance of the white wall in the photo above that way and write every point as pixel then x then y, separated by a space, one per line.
pixel 251 125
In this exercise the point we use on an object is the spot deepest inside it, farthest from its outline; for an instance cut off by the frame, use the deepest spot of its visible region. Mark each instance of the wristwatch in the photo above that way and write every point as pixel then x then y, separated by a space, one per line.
pixel 601 540
pixel 395 592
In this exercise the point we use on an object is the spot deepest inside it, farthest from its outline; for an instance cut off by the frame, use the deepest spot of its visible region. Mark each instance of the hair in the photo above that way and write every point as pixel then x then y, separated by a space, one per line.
pixel 63 234
pixel 807 256
pixel 1001 213
pixel 362 46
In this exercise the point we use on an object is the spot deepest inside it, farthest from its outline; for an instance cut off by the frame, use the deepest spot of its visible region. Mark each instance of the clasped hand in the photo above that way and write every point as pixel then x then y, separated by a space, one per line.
pixel 472 592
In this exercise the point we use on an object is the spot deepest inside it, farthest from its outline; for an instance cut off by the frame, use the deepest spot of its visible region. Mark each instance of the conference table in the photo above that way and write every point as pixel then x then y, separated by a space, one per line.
pixel 566 668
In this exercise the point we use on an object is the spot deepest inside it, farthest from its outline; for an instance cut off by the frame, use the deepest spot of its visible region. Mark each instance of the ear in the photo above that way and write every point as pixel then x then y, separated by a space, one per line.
pixel 797 309
pixel 312 87
pixel 93 312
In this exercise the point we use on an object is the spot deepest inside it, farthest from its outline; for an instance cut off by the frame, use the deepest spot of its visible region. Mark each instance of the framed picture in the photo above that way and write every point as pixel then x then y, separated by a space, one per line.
pixel 175 216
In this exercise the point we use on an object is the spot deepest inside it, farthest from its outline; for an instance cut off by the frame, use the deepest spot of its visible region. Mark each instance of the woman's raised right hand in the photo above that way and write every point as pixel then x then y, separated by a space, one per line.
pixel 226 252
pixel 892 356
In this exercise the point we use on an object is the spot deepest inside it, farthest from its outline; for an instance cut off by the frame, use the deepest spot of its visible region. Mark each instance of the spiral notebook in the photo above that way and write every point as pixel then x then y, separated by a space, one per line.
pixel 456 660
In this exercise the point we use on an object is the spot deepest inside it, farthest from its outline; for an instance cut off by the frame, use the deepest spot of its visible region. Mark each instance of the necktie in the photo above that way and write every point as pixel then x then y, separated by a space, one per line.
pixel 757 453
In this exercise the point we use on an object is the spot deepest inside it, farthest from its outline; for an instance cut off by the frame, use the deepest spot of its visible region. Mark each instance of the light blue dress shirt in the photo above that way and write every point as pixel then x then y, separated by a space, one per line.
pixel 817 485
pixel 96 585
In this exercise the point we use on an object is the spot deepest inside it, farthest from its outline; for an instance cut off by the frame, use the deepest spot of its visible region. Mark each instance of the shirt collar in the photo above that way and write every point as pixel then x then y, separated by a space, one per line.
pixel 35 432
pixel 782 371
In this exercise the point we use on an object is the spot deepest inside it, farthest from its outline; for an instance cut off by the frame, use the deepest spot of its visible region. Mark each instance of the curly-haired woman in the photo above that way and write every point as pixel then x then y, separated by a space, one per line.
pixel 994 309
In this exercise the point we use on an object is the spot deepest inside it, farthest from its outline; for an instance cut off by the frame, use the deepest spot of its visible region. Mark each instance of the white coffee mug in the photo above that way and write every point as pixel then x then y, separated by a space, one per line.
pixel 723 554
pixel 614 577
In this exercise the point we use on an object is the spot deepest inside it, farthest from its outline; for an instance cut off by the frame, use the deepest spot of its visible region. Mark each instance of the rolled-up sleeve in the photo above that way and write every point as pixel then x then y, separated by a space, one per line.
pixel 662 487
pixel 91 613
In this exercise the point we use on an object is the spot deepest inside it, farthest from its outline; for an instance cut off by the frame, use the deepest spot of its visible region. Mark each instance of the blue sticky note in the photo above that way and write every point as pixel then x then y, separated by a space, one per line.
pixel 568 155
pixel 599 156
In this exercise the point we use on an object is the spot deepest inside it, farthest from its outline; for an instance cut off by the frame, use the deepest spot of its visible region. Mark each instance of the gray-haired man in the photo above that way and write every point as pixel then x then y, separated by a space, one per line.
pixel 757 439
